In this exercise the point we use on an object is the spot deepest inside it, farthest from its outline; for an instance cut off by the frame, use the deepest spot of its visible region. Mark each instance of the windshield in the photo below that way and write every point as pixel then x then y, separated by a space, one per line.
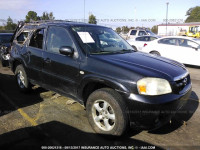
pixel 151 33
pixel 5 39
pixel 100 40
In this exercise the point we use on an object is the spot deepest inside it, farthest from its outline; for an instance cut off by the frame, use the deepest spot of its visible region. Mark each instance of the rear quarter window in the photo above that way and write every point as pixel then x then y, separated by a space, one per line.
pixel 133 32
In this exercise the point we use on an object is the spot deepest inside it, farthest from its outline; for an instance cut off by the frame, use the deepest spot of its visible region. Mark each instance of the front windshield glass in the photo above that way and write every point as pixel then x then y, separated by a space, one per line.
pixel 151 33
pixel 101 40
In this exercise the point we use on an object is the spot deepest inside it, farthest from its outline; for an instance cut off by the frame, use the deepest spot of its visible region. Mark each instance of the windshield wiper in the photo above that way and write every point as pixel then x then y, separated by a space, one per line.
pixel 126 50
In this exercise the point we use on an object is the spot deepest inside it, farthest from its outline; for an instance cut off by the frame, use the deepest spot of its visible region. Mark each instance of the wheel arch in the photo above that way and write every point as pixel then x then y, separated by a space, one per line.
pixel 15 63
pixel 152 51
pixel 91 84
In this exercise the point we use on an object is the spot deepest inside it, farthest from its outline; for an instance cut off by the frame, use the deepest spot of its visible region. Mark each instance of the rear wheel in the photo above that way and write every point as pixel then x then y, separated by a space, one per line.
pixel 106 112
pixel 3 63
pixel 155 53
pixel 21 78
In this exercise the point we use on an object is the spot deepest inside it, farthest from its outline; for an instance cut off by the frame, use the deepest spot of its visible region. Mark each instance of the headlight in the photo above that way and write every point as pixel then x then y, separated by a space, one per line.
pixel 153 86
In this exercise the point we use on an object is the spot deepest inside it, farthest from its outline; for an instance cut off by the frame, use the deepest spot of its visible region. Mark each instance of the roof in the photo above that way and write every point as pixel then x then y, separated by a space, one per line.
pixel 56 22
pixel 182 37
pixel 182 24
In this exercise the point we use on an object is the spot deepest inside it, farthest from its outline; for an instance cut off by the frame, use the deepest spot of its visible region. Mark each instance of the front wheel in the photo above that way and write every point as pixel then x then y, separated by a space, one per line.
pixel 21 78
pixel 106 112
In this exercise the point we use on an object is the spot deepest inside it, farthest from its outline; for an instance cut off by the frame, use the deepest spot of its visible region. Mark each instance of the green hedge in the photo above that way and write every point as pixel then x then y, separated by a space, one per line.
pixel 7 31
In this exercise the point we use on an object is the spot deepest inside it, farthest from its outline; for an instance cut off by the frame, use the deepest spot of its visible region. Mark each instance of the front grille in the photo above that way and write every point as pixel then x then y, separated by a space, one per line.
pixel 181 84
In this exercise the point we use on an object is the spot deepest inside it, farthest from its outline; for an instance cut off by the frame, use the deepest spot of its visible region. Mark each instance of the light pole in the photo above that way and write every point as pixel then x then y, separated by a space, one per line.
pixel 84 11
pixel 167 16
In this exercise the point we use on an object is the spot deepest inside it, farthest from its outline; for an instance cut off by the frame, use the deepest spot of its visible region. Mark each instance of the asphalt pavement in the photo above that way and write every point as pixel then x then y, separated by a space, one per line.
pixel 43 119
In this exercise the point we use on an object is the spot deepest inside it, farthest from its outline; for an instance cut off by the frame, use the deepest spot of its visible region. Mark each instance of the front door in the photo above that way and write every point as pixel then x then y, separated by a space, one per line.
pixel 61 72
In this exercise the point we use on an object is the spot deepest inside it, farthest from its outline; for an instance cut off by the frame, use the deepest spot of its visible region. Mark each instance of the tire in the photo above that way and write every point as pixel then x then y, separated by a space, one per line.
pixel 155 53
pixel 114 115
pixel 21 79
pixel 3 63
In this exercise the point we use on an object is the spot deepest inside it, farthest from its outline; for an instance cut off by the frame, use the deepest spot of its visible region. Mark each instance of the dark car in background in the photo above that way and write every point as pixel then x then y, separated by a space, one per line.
pixel 92 64
pixel 5 39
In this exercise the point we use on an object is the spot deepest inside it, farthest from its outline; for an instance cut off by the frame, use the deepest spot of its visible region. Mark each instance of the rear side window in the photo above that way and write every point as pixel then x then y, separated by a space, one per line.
pixel 133 32
pixel 141 33
pixel 56 38
pixel 37 39
pixel 22 37
pixel 170 41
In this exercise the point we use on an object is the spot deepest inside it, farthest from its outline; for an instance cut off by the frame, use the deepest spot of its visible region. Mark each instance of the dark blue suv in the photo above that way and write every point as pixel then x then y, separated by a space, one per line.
pixel 92 64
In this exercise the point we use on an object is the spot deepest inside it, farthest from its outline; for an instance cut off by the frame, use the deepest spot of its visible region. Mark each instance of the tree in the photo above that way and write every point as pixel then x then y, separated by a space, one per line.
pixel 92 19
pixel 118 30
pixel 154 29
pixel 193 14
pixel 47 16
pixel 132 28
pixel 125 29
pixel 31 16
pixel 189 11
pixel 10 25
pixel 51 17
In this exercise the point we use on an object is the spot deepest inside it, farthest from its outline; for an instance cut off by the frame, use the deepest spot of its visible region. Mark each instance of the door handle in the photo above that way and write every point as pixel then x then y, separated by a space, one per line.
pixel 47 60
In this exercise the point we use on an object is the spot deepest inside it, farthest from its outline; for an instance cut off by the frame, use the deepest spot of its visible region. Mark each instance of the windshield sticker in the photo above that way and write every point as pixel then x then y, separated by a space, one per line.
pixel 86 37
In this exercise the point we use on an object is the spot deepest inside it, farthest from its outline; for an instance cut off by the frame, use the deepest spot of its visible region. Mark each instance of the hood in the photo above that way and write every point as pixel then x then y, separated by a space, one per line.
pixel 146 65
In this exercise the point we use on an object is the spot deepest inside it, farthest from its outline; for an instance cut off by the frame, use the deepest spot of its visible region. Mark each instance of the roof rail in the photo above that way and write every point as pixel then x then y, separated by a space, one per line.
pixel 141 28
pixel 46 21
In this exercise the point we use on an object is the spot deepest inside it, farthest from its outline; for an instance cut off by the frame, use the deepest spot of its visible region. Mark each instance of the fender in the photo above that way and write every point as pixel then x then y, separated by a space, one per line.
pixel 110 82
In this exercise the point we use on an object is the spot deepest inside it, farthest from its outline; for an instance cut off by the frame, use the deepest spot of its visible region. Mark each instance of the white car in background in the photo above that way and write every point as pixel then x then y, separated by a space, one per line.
pixel 182 49
pixel 139 42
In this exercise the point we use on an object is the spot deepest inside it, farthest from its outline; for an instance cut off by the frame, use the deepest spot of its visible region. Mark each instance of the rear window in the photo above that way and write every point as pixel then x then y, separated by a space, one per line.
pixel 152 38
pixel 140 39
pixel 169 41
pixel 145 38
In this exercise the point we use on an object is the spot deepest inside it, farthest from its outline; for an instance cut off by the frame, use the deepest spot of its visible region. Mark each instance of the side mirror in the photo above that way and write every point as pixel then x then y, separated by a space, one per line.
pixel 196 48
pixel 66 50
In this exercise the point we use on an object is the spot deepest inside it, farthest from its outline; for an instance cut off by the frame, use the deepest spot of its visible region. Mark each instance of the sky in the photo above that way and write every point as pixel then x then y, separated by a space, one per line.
pixel 111 13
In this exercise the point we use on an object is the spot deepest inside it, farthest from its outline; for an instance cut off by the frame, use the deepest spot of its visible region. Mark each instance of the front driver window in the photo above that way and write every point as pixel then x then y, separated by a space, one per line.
pixel 56 38
pixel 187 43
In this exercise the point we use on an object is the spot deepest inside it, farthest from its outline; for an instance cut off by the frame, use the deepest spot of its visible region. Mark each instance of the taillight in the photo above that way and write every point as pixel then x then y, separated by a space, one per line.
pixel 145 44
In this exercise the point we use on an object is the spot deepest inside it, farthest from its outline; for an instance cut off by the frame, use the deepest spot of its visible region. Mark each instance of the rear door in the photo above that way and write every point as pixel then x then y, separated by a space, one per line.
pixel 61 72
pixel 34 55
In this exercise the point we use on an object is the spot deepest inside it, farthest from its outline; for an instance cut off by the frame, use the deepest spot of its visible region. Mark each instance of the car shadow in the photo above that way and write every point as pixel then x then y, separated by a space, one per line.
pixel 58 134
pixel 192 66
pixel 181 117
pixel 11 98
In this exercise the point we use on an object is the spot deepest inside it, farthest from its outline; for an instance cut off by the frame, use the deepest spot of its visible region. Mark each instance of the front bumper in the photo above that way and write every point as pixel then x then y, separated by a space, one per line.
pixel 152 112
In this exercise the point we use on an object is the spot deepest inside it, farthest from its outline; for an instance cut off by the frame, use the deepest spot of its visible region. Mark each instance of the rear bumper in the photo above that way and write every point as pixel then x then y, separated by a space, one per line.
pixel 148 116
